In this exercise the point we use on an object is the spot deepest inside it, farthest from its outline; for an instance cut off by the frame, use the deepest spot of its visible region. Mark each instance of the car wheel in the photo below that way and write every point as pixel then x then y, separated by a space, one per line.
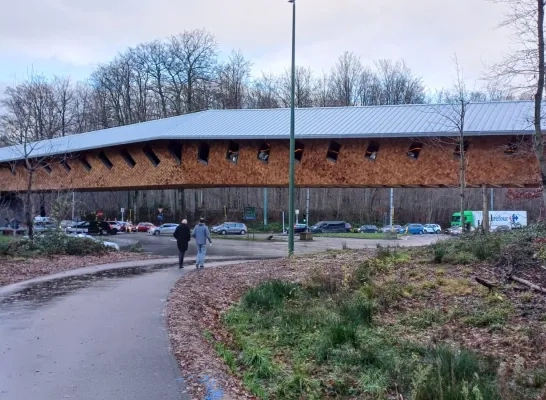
pixel 104 232
pixel 224 232
pixel 420 232
pixel 157 233
pixel 243 232
pixel 114 232
pixel 319 231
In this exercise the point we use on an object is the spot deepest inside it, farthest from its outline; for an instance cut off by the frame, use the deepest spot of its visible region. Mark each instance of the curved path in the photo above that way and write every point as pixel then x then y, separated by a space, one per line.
pixel 93 334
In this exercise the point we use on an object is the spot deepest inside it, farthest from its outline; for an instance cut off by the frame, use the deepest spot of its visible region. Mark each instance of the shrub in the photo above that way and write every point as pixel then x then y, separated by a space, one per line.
pixel 439 252
pixel 53 244
pixel 269 295
pixel 383 252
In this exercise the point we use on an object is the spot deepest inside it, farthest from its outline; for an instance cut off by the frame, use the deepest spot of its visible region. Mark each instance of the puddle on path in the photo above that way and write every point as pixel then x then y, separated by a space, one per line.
pixel 42 292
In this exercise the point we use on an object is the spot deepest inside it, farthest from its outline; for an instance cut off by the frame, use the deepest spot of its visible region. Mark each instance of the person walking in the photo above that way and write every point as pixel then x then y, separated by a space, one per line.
pixel 202 235
pixel 183 236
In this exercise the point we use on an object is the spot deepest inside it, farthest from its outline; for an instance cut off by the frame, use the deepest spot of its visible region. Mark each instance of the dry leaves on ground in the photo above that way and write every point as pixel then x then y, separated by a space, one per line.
pixel 16 270
pixel 198 300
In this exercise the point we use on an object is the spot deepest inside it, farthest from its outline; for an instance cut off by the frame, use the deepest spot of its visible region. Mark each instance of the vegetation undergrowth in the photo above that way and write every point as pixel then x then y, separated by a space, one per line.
pixel 476 246
pixel 54 243
pixel 325 338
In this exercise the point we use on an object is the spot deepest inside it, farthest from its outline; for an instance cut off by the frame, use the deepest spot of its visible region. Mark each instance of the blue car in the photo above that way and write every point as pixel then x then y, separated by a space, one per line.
pixel 415 229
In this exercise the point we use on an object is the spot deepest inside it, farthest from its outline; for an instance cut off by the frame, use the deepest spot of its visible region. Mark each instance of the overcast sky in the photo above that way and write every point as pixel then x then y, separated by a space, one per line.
pixel 68 37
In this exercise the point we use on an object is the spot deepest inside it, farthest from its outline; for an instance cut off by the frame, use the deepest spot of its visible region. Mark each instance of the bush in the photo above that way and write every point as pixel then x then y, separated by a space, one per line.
pixel 439 251
pixel 383 252
pixel 54 243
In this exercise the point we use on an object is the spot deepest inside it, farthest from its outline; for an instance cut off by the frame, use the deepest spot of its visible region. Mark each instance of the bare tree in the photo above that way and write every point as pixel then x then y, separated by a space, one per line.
pixel 523 71
pixel 264 92
pixel 303 87
pixel 398 84
pixel 232 81
pixel 193 60
pixel 29 119
pixel 322 91
pixel 154 59
pixel 345 79
pixel 453 118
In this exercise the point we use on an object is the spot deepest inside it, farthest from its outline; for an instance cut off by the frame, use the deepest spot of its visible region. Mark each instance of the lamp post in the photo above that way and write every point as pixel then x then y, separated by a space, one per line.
pixel 292 139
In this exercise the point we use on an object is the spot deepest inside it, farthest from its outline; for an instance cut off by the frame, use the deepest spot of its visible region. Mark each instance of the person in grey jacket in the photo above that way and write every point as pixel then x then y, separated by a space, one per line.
pixel 202 235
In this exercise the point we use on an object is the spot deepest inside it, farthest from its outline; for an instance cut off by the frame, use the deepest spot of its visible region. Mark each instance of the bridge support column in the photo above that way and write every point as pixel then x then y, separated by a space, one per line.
pixel 265 207
pixel 135 207
pixel 485 222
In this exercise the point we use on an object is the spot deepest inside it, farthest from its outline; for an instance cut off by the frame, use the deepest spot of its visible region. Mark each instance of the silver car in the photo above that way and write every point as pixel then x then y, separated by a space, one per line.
pixel 165 229
pixel 234 228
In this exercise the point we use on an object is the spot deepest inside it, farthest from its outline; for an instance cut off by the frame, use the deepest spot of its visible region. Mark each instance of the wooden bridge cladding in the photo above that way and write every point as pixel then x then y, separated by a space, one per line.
pixel 435 166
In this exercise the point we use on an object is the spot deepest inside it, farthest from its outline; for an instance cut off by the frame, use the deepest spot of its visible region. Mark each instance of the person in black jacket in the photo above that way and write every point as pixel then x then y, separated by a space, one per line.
pixel 183 236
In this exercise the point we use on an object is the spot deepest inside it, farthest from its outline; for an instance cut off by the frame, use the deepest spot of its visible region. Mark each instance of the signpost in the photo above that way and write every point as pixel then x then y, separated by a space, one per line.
pixel 249 213
pixel 297 213
pixel 122 212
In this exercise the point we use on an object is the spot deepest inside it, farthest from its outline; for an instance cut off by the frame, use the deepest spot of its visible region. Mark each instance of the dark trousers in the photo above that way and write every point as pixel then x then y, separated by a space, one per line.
pixel 181 258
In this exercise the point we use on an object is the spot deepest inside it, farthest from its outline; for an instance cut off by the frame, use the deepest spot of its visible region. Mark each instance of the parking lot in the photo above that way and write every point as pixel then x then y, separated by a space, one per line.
pixel 259 246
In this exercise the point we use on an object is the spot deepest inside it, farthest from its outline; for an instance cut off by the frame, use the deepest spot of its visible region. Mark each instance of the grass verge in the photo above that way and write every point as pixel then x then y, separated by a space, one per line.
pixel 352 235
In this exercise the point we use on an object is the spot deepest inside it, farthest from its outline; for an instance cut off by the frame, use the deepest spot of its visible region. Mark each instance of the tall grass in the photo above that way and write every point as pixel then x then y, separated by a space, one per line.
pixel 331 347
pixel 269 295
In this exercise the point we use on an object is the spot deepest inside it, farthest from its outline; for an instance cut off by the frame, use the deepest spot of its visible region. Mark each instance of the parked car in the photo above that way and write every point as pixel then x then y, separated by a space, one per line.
pixel 329 227
pixel 455 231
pixel 432 228
pixel 44 226
pixel 415 229
pixel 502 228
pixel 397 228
pixel 66 223
pixel 368 229
pixel 234 228
pixel 144 226
pixel 126 226
pixel 113 245
pixel 165 229
pixel 93 228
pixel 299 228
pixel 7 230
pixel 115 225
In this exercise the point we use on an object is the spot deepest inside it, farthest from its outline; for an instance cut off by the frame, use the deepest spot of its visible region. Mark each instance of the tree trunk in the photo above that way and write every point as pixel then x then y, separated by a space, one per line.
pixel 462 181
pixel 538 139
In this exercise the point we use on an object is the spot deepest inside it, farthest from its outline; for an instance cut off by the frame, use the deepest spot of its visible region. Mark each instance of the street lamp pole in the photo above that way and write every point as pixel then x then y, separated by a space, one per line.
pixel 291 210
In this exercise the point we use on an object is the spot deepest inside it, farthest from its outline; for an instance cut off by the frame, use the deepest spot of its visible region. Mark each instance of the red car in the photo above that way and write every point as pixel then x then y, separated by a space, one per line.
pixel 144 226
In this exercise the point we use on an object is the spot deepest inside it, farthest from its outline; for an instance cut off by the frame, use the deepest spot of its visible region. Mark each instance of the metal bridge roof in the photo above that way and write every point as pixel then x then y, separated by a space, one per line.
pixel 414 120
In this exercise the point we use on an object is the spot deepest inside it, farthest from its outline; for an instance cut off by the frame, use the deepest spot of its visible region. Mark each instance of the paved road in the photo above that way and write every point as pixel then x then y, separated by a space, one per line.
pixel 165 245
pixel 99 336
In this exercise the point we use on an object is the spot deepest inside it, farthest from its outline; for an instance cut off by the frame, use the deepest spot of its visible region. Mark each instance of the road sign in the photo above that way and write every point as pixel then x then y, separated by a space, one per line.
pixel 249 213
pixel 100 213
pixel 160 210
pixel 297 212
pixel 122 210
